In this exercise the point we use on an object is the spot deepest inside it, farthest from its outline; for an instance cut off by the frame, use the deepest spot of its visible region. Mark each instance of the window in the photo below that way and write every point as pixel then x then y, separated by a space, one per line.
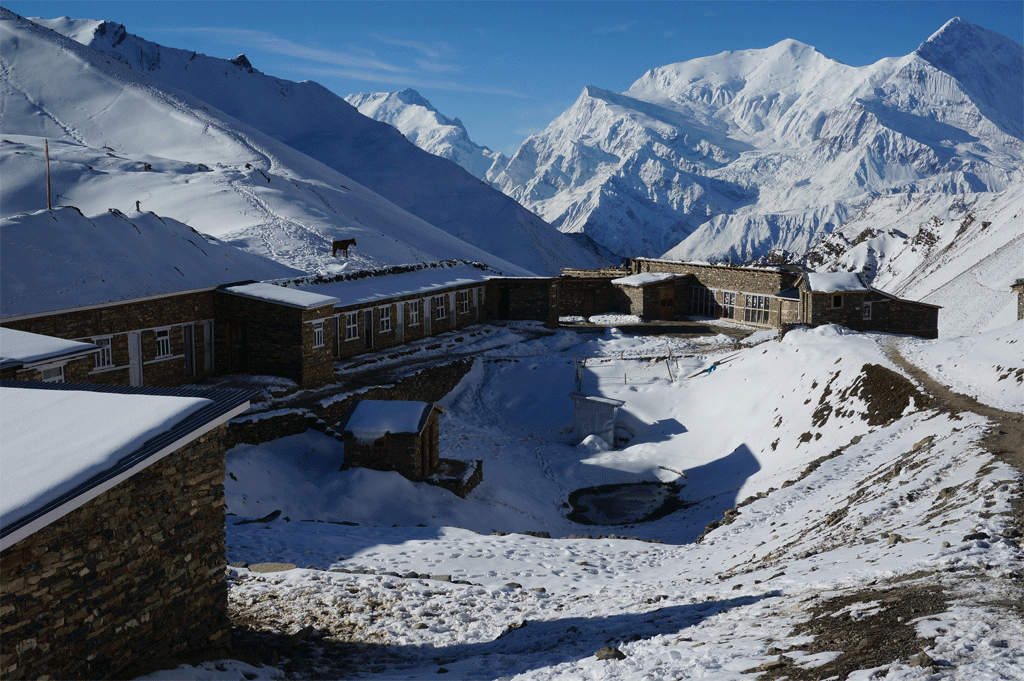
pixel 704 302
pixel 462 301
pixel 318 334
pixel 351 325
pixel 104 357
pixel 415 307
pixel 867 310
pixel 53 374
pixel 385 319
pixel 756 309
pixel 837 301
pixel 442 307
pixel 729 303
pixel 163 343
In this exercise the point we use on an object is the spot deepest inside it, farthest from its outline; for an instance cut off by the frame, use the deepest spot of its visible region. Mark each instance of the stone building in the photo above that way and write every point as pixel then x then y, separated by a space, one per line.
pixel 523 298
pixel 373 311
pixel 843 298
pixel 32 357
pixel 777 297
pixel 112 535
pixel 401 436
pixel 276 330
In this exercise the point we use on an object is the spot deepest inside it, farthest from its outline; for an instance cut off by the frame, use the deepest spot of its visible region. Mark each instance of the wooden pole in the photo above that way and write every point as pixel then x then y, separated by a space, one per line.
pixel 46 149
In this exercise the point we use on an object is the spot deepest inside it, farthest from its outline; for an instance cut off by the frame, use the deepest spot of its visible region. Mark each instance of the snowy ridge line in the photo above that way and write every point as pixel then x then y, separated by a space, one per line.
pixel 381 271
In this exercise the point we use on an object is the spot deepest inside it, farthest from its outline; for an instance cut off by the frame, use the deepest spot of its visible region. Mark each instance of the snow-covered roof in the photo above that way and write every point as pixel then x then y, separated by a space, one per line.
pixel 373 419
pixel 283 295
pixel 833 282
pixel 44 474
pixel 385 287
pixel 645 278
pixel 20 347
pixel 60 259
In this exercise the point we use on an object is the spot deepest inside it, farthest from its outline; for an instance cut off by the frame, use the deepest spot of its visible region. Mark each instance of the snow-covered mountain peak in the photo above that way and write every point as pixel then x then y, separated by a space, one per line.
pixel 731 152
pixel 988 66
pixel 429 129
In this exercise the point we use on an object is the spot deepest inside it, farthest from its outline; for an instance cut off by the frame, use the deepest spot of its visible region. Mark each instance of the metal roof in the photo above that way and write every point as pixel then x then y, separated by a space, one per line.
pixel 223 405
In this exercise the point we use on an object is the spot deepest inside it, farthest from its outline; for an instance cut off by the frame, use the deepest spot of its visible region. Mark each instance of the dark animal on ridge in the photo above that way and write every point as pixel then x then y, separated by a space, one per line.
pixel 342 246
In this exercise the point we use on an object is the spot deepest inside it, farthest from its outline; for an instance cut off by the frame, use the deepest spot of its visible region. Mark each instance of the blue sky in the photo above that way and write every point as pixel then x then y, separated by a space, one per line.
pixel 508 68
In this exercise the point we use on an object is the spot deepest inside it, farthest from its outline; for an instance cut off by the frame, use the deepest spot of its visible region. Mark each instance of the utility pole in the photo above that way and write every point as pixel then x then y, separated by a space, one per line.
pixel 46 149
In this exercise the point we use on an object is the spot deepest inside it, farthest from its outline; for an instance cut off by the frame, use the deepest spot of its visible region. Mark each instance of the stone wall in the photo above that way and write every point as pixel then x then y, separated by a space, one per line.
pixel 399 452
pixel 133 576
pixel 534 298
pixel 146 316
pixel 603 272
pixel 277 340
pixel 722 277
pixel 77 370
pixel 402 330
pixel 428 385
pixel 1018 286
pixel 890 315
pixel 586 296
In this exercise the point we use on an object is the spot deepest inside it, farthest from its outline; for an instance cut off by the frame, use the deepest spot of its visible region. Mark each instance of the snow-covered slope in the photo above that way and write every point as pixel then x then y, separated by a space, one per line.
pixel 313 120
pixel 429 129
pixel 118 137
pixel 731 155
pixel 961 252
pixel 57 259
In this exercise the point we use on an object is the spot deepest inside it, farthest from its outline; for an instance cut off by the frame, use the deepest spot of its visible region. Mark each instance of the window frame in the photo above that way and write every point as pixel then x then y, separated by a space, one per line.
pixel 836 298
pixel 352 326
pixel 415 312
pixel 55 378
pixel 441 309
pixel 318 334
pixel 163 343
pixel 105 357
pixel 385 325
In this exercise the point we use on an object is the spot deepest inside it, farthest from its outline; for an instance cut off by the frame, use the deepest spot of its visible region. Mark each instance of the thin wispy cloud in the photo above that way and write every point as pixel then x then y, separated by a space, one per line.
pixel 271 43
pixel 431 50
pixel 412 80
pixel 436 67
pixel 618 28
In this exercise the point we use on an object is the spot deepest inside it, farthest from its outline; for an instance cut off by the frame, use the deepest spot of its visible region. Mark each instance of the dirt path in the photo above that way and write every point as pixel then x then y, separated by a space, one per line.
pixel 1005 440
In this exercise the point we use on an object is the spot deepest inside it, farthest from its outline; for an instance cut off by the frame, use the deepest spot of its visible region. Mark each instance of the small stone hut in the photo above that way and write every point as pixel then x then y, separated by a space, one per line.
pixel 112 534
pixel 393 435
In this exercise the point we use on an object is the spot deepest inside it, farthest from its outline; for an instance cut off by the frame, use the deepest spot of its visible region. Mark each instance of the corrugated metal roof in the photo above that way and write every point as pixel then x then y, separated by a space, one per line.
pixel 222 402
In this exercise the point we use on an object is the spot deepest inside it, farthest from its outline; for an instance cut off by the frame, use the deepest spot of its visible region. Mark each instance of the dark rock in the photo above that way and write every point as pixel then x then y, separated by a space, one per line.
pixel 609 653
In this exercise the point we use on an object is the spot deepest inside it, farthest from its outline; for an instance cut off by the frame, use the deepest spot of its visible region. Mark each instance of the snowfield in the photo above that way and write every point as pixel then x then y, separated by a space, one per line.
pixel 835 520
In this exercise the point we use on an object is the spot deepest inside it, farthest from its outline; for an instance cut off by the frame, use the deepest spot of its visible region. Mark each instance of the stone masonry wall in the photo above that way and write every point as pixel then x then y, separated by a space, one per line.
pixel 1018 286
pixel 428 385
pixel 586 296
pixel 133 576
pixel 116 320
pixel 739 279
pixel 77 370
pixel 887 314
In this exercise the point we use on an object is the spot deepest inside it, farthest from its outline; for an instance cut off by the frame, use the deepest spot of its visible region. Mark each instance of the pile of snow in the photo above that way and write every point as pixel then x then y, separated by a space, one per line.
pixel 59 259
